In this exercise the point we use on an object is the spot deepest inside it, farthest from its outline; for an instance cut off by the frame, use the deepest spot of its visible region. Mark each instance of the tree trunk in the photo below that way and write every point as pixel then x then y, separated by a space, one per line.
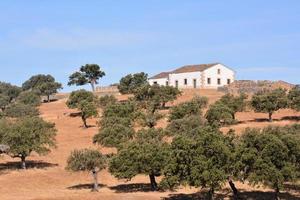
pixel 210 195
pixel 270 116
pixel 277 192
pixel 23 163
pixel 48 98
pixel 93 85
pixel 234 189
pixel 95 186
pixel 84 121
pixel 153 182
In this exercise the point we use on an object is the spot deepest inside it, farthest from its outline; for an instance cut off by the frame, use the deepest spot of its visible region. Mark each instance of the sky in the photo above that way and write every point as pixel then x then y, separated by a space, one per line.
pixel 260 40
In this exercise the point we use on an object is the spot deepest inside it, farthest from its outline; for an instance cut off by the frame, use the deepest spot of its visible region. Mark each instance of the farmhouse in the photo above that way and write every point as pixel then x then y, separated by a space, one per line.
pixel 208 76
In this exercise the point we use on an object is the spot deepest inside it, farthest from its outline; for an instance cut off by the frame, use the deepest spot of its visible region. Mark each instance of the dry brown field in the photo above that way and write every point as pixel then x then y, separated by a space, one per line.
pixel 47 179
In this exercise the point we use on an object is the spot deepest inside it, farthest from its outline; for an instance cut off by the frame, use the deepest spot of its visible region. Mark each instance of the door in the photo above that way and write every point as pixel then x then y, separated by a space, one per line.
pixel 176 84
pixel 195 83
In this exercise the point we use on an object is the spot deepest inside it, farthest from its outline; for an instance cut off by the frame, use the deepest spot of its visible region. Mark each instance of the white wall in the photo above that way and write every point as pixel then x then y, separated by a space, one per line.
pixel 190 76
pixel 212 73
pixel 160 81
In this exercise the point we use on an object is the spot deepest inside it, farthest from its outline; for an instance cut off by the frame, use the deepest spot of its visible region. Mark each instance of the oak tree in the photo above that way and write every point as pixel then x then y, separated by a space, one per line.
pixel 87 160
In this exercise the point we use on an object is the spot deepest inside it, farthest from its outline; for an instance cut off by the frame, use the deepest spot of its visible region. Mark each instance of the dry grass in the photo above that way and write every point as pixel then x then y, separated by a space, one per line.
pixel 47 178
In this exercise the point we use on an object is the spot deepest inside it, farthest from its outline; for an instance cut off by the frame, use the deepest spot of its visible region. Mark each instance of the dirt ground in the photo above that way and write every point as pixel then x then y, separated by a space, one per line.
pixel 47 178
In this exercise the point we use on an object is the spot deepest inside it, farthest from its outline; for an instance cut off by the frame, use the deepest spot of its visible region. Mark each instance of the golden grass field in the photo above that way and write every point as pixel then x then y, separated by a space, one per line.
pixel 47 178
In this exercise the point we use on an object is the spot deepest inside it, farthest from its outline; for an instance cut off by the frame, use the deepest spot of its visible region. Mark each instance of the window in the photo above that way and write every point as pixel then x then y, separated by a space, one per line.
pixel 208 81
pixel 219 81
pixel 195 83
pixel 167 83
pixel 185 81
pixel 219 71
pixel 176 84
pixel 228 81
pixel 155 82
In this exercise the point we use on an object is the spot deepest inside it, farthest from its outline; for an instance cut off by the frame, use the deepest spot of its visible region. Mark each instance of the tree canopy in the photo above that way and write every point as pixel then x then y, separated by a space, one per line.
pixel 270 156
pixel 294 98
pixel 234 103
pixel 189 108
pixel 142 156
pixel 106 100
pixel 269 101
pixel 42 84
pixel 85 102
pixel 219 114
pixel 89 73
pixel 87 160
pixel 27 135
pixel 131 82
pixel 200 161
pixel 29 98
pixel 19 110
pixel 10 91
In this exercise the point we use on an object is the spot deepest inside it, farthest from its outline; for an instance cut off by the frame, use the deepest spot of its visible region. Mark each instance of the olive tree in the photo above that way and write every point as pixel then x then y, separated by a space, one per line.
pixel 85 102
pixel 269 101
pixel 49 88
pixel 89 73
pixel 27 135
pixel 87 160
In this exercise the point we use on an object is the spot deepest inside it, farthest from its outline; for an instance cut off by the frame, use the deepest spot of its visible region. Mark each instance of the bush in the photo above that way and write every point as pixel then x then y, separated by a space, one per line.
pixel 17 110
pixel 106 100
pixel 219 114
pixel 29 98
pixel 114 136
pixel 193 107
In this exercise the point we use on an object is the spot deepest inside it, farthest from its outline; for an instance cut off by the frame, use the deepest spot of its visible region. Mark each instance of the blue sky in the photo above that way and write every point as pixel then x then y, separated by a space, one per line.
pixel 259 39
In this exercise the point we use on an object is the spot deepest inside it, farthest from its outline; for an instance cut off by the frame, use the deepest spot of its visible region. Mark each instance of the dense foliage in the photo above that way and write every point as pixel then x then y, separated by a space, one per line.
pixel 17 110
pixel 107 100
pixel 219 114
pixel 294 98
pixel 146 155
pixel 131 82
pixel 270 156
pixel 189 108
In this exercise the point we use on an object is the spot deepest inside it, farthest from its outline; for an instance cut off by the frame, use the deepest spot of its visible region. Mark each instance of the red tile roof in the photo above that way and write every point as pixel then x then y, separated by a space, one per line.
pixel 185 69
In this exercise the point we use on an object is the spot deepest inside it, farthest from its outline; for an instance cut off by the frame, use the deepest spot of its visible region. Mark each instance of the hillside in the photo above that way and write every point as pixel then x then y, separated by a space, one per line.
pixel 48 179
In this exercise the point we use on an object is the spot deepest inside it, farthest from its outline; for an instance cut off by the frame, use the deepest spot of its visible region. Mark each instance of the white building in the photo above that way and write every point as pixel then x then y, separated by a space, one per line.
pixel 196 76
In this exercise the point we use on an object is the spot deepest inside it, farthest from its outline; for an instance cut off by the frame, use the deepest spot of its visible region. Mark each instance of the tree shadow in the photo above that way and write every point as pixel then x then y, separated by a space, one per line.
pixel 51 100
pixel 84 186
pixel 265 196
pixel 292 187
pixel 134 187
pixel 29 165
pixel 75 114
pixel 194 196
pixel 291 118
pixel 243 195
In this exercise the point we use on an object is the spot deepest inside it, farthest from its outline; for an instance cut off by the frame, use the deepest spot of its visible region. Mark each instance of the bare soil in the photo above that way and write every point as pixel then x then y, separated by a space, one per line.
pixel 47 178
